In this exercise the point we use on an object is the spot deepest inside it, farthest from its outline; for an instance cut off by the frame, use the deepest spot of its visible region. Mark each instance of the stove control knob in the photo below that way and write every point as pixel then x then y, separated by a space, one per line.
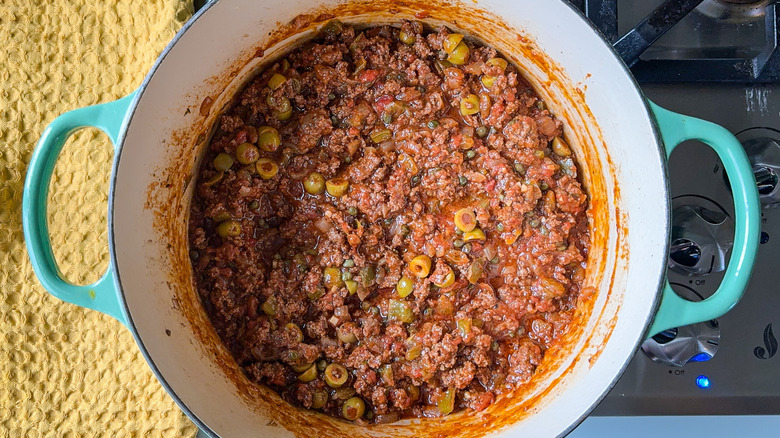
pixel 764 154
pixel 678 346
pixel 701 239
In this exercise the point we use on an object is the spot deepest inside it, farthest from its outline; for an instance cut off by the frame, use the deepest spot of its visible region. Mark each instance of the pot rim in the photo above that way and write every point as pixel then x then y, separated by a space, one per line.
pixel 202 426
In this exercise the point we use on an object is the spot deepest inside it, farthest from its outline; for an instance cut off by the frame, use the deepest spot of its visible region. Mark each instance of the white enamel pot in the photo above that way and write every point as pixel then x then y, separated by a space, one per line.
pixel 620 139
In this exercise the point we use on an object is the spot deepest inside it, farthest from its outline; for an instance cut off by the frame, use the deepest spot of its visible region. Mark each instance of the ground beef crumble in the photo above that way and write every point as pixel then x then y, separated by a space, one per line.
pixel 408 126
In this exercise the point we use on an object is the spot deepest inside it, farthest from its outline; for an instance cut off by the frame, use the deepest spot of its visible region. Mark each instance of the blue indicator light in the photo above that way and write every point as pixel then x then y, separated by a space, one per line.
pixel 701 357
pixel 703 382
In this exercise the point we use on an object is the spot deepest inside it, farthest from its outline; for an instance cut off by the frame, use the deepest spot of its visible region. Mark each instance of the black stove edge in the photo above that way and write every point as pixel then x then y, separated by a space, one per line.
pixel 629 406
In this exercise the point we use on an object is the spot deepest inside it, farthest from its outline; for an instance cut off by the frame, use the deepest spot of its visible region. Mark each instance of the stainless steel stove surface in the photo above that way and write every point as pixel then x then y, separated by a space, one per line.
pixel 743 374
pixel 719 63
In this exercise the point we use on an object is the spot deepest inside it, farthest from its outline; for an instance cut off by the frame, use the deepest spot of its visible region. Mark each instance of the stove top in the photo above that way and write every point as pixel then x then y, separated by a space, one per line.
pixel 741 377
pixel 718 61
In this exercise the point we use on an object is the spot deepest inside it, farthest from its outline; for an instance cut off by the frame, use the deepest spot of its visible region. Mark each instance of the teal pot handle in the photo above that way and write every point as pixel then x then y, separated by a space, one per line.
pixel 675 311
pixel 102 295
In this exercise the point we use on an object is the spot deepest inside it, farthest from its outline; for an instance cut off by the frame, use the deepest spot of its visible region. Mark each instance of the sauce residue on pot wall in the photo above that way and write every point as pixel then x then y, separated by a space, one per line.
pixel 169 200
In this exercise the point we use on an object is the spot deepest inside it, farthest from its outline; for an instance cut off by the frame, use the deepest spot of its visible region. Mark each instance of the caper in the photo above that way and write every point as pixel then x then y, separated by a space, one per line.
pixel 322 364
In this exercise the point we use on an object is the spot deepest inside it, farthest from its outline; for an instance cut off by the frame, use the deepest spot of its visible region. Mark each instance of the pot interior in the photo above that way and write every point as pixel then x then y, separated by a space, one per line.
pixel 572 69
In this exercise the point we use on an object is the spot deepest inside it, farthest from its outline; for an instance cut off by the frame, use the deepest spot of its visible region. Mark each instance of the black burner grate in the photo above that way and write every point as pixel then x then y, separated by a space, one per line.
pixel 760 69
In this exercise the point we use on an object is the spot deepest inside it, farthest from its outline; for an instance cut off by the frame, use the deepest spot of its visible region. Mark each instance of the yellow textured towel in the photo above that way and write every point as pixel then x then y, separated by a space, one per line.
pixel 66 371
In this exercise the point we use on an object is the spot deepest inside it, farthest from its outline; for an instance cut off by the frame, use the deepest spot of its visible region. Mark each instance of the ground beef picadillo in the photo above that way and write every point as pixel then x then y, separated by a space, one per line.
pixel 388 224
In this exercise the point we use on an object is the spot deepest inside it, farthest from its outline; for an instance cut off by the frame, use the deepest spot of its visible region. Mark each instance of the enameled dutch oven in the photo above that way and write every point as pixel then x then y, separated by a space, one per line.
pixel 622 142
